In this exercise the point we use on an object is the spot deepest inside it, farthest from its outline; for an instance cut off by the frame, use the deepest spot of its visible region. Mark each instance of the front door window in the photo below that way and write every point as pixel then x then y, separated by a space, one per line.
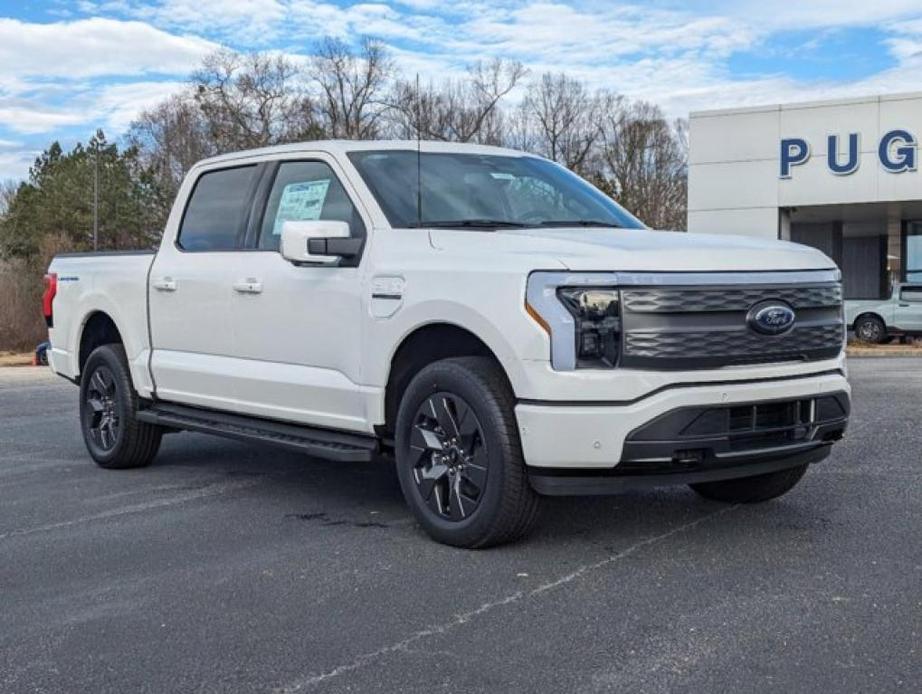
pixel 302 191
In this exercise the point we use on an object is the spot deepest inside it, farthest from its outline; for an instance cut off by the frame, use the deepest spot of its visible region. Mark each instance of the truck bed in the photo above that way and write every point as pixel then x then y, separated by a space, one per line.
pixel 114 282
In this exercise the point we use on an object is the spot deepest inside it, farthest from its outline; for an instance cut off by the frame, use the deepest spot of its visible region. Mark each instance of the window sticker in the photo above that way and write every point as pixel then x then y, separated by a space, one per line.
pixel 301 202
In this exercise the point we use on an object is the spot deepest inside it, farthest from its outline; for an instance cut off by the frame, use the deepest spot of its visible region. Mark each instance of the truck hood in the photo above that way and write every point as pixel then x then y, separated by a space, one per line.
pixel 635 249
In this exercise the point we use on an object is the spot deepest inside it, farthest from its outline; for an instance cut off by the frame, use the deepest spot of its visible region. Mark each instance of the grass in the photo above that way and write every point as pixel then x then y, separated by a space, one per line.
pixel 862 349
pixel 16 358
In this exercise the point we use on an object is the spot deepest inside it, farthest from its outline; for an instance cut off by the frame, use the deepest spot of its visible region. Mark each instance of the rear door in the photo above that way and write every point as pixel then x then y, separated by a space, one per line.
pixel 908 312
pixel 191 284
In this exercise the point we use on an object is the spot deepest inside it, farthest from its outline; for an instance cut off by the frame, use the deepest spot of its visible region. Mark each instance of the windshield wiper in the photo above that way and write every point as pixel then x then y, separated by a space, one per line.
pixel 578 223
pixel 472 224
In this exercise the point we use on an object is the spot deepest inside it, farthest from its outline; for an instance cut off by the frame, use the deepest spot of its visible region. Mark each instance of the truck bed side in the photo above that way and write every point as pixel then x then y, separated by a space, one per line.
pixel 96 286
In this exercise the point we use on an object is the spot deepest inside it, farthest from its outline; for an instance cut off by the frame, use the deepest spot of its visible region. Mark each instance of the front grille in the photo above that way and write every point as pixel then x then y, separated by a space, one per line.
pixel 688 327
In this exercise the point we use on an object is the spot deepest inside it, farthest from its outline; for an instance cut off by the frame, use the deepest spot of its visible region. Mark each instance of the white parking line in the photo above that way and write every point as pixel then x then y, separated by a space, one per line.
pixel 206 491
pixel 463 618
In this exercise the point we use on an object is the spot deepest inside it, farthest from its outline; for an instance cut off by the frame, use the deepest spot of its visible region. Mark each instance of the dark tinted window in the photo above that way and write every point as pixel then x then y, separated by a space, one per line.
pixel 303 191
pixel 911 294
pixel 483 189
pixel 217 210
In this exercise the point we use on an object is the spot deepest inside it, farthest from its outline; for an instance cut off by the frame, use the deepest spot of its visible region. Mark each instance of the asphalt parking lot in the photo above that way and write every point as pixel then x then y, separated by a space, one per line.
pixel 227 567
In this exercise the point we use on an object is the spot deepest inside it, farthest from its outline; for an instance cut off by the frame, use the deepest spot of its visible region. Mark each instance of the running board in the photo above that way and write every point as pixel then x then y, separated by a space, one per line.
pixel 322 443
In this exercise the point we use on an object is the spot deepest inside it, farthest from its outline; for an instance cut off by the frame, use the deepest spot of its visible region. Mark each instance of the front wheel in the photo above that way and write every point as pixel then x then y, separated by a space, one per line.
pixel 459 458
pixel 751 490
pixel 108 403
pixel 870 329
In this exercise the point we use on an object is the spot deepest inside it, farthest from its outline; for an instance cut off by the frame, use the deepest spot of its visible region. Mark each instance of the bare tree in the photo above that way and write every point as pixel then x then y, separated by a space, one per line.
pixel 459 110
pixel 171 137
pixel 564 117
pixel 352 87
pixel 252 100
pixel 238 101
pixel 8 190
pixel 644 160
pixel 520 132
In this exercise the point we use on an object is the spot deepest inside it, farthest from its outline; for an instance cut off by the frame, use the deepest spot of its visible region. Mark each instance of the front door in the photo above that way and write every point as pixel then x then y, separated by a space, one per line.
pixel 299 328
pixel 190 289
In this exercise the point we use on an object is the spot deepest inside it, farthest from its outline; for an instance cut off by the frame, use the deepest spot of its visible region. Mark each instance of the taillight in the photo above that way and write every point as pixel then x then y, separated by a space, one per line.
pixel 51 289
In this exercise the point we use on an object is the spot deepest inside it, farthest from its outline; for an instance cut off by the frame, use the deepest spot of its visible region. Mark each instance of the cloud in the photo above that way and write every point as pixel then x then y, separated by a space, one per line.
pixel 110 107
pixel 251 22
pixel 93 48
pixel 773 15
pixel 83 73
pixel 109 59
pixel 28 118
pixel 15 165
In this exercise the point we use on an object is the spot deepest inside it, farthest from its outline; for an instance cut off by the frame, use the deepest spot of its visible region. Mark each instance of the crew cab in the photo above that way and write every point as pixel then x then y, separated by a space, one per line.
pixel 878 320
pixel 493 323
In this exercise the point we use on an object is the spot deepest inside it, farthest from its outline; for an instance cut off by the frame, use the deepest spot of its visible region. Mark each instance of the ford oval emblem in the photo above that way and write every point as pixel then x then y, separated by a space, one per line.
pixel 771 318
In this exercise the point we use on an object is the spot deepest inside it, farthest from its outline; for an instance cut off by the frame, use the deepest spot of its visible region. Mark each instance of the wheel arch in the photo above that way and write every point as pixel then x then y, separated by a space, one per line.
pixel 872 314
pixel 424 345
pixel 97 328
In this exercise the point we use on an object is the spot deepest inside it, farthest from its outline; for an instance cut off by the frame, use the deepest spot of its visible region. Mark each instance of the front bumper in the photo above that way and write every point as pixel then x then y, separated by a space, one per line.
pixel 654 436
pixel 584 482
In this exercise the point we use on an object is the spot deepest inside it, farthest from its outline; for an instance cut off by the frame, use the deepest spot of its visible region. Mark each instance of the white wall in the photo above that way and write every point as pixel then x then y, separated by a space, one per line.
pixel 734 161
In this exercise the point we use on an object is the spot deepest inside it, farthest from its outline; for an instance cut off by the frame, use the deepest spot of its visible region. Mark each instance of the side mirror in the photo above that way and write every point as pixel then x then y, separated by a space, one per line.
pixel 317 241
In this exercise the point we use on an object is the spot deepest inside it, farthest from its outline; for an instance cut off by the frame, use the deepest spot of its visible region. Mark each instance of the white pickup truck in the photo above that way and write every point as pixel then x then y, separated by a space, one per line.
pixel 492 321
pixel 878 320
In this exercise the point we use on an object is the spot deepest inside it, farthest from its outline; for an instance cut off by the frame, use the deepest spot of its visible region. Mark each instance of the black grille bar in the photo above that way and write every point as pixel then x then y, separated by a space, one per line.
pixel 667 300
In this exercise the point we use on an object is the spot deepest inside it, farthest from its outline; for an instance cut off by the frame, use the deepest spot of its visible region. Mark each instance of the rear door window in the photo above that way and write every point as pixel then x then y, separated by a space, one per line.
pixel 216 216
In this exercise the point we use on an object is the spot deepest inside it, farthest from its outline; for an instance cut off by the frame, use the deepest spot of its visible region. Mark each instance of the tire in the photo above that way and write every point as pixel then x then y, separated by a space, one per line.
pixel 870 328
pixel 459 458
pixel 113 436
pixel 752 490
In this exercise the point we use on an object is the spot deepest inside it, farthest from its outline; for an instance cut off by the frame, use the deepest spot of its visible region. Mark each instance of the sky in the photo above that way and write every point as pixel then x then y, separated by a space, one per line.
pixel 70 66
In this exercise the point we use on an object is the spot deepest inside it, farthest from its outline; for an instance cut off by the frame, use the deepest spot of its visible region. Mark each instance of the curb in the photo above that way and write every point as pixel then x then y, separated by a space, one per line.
pixel 864 353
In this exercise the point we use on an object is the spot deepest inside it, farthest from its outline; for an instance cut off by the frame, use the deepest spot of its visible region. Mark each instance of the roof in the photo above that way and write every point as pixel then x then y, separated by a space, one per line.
pixel 872 98
pixel 343 146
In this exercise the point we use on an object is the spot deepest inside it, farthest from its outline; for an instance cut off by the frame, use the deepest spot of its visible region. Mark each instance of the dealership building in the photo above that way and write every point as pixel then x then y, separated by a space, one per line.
pixel 841 176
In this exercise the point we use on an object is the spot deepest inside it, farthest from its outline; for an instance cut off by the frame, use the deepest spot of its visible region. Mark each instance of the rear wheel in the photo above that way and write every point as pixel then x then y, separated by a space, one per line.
pixel 751 490
pixel 108 403
pixel 870 328
pixel 459 458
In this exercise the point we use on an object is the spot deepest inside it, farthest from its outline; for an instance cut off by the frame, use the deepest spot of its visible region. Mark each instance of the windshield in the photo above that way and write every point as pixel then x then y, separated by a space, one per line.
pixel 478 191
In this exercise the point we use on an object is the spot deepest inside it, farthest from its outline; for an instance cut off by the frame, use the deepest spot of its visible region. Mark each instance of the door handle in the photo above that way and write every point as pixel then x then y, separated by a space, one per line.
pixel 904 305
pixel 248 286
pixel 165 284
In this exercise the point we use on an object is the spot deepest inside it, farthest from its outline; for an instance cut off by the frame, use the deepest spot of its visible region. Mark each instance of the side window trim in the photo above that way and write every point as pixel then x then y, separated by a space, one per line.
pixel 260 204
pixel 239 244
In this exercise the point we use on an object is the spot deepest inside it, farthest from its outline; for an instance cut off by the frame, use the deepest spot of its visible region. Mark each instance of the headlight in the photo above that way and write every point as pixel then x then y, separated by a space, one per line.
pixel 597 326
pixel 581 314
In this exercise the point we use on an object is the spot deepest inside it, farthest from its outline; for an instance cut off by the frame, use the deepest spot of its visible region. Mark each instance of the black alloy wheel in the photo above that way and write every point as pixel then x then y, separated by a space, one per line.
pixel 113 435
pixel 459 457
pixel 450 462
pixel 101 411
